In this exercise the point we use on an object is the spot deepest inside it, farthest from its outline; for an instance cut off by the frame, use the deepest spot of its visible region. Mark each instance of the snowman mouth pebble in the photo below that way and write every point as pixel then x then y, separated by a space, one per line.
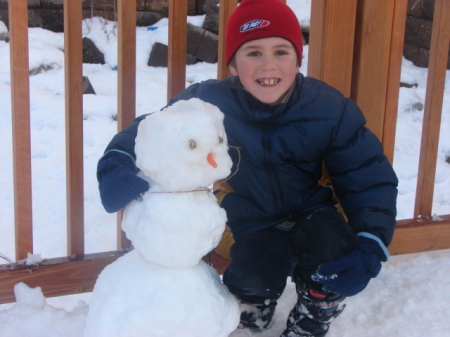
pixel 163 287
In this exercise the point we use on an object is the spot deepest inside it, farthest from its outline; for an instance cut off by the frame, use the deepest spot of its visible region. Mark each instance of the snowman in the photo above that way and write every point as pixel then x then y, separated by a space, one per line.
pixel 163 288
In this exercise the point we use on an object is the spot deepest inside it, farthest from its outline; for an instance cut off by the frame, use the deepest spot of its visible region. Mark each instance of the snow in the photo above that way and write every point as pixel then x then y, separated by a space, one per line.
pixel 181 150
pixel 181 153
pixel 410 297
pixel 176 302
pixel 33 259
pixel 167 287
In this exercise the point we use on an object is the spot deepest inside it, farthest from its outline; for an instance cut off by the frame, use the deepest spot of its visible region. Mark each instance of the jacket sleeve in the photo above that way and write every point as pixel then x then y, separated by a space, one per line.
pixel 362 176
pixel 125 139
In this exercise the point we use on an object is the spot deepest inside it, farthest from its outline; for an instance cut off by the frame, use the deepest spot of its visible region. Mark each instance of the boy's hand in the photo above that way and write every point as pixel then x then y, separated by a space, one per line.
pixel 351 273
pixel 118 182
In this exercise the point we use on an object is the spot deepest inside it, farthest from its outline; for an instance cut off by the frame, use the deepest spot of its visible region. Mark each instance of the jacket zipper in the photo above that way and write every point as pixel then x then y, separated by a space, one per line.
pixel 273 178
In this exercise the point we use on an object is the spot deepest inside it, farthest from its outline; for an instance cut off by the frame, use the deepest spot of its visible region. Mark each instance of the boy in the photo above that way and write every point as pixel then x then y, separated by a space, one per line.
pixel 283 222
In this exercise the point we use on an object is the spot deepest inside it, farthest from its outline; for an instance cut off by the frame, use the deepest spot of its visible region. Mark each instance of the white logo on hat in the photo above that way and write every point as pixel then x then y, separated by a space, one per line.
pixel 254 24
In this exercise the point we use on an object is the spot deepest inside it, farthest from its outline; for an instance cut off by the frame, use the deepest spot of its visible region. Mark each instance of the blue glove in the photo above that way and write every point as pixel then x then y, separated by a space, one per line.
pixel 118 182
pixel 351 273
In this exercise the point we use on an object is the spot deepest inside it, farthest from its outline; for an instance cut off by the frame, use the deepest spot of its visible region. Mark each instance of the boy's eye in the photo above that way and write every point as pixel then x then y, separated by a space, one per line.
pixel 254 53
pixel 281 52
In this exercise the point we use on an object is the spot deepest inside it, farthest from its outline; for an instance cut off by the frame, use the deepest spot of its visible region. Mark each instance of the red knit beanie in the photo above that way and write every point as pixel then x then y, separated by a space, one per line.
pixel 256 19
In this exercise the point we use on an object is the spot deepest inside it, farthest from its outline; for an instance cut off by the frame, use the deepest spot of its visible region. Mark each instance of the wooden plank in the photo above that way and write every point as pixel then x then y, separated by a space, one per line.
pixel 440 40
pixel 331 42
pixel 374 21
pixel 126 91
pixel 412 236
pixel 73 58
pixel 20 105
pixel 226 8
pixel 122 240
pixel 65 276
pixel 69 275
pixel 217 262
pixel 394 74
pixel 56 277
pixel 176 70
pixel 126 43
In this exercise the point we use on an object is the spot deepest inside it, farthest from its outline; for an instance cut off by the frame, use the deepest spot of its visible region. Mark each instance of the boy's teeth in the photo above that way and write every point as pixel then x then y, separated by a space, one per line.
pixel 268 82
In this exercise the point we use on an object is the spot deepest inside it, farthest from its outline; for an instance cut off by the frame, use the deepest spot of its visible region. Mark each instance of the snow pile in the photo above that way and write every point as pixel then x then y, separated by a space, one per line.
pixel 31 316
pixel 135 298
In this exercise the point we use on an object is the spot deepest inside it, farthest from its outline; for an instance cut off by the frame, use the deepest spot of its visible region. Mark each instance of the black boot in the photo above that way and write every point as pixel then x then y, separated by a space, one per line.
pixel 312 313
pixel 257 317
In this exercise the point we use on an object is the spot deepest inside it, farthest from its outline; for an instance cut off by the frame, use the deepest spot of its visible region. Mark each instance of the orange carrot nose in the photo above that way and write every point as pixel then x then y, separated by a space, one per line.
pixel 211 160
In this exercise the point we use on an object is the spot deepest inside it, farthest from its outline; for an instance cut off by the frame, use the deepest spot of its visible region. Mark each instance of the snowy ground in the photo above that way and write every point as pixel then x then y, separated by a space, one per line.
pixel 409 298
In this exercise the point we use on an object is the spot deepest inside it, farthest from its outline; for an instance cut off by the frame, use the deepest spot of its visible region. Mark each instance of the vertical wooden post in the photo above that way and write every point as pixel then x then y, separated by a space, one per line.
pixel 331 42
pixel 440 41
pixel 20 104
pixel 126 82
pixel 393 79
pixel 374 24
pixel 176 70
pixel 226 8
pixel 73 59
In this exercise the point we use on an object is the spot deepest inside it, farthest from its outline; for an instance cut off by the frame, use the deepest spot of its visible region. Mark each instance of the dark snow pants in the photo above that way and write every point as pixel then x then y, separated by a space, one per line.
pixel 262 261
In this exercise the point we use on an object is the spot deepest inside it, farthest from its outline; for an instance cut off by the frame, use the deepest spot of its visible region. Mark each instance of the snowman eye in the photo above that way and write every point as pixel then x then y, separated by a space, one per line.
pixel 192 144
pixel 220 140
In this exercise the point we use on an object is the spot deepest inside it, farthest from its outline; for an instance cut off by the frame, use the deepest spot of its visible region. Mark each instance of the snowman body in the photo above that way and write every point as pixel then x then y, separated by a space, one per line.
pixel 161 244
pixel 162 287
pixel 138 298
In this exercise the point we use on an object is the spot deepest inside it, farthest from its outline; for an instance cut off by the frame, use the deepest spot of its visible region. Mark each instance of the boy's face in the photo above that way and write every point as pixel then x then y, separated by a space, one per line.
pixel 266 68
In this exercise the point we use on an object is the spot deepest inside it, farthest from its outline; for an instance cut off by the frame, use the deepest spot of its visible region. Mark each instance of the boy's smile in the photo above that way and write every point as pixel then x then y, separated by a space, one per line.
pixel 268 81
pixel 266 67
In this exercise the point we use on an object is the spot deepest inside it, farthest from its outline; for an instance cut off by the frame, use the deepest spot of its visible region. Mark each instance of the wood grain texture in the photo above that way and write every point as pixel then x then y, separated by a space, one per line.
pixel 126 82
pixel 413 236
pixel 73 60
pixel 331 42
pixel 176 71
pixel 226 8
pixel 56 277
pixel 440 41
pixel 20 107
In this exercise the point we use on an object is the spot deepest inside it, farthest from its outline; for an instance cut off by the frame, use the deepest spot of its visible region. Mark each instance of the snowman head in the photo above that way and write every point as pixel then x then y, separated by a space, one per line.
pixel 183 146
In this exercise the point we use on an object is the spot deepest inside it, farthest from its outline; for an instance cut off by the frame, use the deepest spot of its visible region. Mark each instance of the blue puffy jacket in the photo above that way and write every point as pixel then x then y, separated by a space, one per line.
pixel 282 149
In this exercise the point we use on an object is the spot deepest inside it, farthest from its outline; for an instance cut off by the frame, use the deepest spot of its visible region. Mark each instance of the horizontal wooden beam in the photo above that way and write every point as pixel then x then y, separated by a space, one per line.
pixel 414 236
pixel 75 275
pixel 56 277
pixel 69 275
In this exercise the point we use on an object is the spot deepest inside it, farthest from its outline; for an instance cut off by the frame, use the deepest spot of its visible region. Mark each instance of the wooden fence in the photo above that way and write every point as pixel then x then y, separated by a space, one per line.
pixel 355 45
